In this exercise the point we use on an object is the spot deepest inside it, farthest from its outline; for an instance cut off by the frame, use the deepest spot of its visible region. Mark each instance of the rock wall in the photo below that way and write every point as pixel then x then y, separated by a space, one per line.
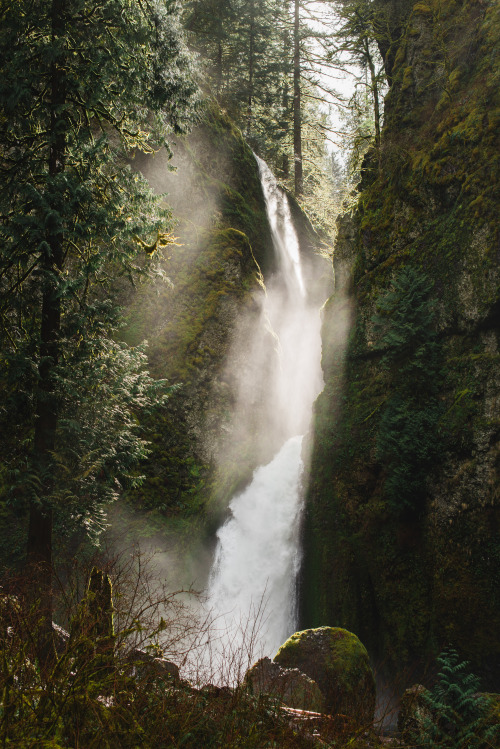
pixel 401 540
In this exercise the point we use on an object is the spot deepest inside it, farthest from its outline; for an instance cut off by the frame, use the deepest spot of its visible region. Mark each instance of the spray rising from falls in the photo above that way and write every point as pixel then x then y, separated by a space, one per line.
pixel 257 558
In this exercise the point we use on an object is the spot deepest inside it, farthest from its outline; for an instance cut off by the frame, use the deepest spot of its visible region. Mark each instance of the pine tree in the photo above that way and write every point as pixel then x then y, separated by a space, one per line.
pixel 210 24
pixel 363 31
pixel 83 83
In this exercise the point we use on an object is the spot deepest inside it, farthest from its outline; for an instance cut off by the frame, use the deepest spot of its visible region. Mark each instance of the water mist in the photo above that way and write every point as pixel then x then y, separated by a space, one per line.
pixel 253 578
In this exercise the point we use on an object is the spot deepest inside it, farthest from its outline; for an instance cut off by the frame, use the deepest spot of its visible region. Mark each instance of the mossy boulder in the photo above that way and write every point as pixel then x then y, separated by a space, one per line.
pixel 289 685
pixel 338 662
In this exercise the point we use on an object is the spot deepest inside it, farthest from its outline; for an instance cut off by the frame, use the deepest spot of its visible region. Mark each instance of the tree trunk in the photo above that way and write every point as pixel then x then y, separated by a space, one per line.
pixel 297 115
pixel 374 90
pixel 285 98
pixel 218 75
pixel 251 65
pixel 39 547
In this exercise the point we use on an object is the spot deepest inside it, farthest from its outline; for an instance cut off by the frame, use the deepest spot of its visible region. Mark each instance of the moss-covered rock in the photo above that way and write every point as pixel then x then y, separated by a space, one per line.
pixel 289 685
pixel 338 662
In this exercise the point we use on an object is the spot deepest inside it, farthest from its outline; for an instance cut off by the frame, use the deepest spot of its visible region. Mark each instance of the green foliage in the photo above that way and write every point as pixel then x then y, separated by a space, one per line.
pixel 99 442
pixel 243 46
pixel 248 52
pixel 407 439
pixel 405 329
pixel 82 84
pixel 456 712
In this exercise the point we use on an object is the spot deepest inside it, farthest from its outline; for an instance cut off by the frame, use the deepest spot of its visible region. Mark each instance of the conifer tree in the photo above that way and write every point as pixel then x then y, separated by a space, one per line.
pixel 408 439
pixel 82 83
pixel 210 23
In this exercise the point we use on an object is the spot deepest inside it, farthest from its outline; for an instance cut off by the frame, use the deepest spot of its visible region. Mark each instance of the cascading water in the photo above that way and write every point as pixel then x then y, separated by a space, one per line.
pixel 257 557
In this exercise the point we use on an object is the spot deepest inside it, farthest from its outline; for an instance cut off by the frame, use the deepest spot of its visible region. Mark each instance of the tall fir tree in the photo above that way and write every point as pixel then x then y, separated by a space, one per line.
pixel 82 83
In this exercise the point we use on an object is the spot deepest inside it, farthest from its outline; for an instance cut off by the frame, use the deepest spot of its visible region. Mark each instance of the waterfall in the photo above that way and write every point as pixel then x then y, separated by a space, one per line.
pixel 251 590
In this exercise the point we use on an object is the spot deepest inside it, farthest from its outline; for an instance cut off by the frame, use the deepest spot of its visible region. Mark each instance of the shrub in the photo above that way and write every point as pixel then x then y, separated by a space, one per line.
pixel 97 694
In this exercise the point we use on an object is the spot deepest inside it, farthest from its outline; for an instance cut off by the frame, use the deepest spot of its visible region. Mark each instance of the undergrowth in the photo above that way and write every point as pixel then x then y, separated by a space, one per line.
pixel 109 684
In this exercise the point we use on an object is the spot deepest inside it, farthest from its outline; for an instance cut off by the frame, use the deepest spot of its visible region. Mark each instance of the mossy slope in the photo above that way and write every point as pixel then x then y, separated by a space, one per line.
pixel 189 321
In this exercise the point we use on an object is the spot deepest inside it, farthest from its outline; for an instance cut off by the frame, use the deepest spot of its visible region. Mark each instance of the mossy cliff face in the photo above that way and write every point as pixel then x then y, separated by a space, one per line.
pixel 401 531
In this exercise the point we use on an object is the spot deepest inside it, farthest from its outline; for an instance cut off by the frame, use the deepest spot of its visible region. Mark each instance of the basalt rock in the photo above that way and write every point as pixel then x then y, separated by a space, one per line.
pixel 293 687
pixel 401 539
pixel 338 662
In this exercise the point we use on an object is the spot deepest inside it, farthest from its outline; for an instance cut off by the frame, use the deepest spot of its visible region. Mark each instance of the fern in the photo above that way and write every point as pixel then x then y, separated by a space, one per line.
pixel 457 716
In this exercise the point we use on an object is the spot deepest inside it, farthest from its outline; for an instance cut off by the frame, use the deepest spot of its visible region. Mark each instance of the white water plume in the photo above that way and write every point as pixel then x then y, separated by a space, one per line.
pixel 256 562
pixel 279 376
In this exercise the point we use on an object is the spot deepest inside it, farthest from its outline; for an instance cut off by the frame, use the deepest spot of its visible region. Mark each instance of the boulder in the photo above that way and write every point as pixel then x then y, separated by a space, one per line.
pixel 338 662
pixel 146 666
pixel 414 712
pixel 289 685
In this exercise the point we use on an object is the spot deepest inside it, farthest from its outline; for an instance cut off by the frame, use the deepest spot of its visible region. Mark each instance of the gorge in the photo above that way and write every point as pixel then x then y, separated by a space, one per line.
pixel 287 385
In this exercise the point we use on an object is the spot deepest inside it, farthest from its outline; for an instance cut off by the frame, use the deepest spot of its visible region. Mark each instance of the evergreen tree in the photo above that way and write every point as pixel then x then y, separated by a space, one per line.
pixel 83 82
pixel 362 32
pixel 210 24
pixel 408 437
pixel 297 103
pixel 264 73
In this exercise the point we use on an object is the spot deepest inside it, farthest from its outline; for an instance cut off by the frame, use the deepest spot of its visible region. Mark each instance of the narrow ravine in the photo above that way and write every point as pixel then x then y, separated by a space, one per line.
pixel 252 584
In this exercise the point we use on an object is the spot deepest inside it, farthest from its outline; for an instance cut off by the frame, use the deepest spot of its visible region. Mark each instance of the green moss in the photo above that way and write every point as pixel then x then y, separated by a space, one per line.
pixel 338 662
pixel 422 8
pixel 407 78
